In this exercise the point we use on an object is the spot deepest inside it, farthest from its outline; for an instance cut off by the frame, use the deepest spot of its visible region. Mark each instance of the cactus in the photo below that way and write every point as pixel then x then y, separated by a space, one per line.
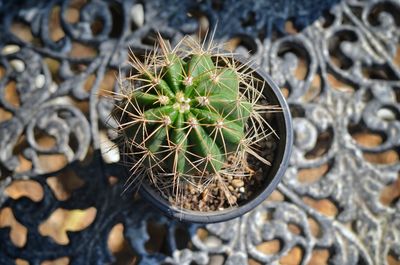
pixel 188 110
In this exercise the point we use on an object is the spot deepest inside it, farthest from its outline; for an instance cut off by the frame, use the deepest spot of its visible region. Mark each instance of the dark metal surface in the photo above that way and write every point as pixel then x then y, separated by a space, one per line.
pixel 354 44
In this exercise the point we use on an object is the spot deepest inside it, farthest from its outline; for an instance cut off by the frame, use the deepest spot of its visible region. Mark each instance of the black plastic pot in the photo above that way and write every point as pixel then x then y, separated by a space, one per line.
pixel 283 126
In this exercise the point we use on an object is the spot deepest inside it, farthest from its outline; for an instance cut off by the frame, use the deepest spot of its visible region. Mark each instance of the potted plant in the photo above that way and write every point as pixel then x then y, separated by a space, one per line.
pixel 206 136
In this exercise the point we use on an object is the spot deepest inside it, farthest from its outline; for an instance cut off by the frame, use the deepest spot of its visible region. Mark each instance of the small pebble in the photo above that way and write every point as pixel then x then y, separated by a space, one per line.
pixel 241 189
pixel 18 65
pixel 237 183
pixel 259 176
pixel 10 49
pixel 40 81
pixel 232 200
pixel 192 189
pixel 221 208
pixel 201 204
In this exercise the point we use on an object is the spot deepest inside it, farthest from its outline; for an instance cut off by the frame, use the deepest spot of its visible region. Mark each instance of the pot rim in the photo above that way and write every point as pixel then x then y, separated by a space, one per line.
pixel 186 215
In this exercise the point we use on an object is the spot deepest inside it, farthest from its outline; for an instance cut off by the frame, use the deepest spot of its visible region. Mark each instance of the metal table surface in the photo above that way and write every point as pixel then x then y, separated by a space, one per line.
pixel 338 64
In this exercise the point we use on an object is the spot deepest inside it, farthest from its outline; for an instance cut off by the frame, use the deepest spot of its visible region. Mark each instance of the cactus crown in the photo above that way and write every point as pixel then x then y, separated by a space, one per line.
pixel 186 111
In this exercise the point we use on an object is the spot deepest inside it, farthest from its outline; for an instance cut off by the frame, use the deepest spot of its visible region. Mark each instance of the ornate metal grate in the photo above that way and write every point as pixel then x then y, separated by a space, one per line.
pixel 337 62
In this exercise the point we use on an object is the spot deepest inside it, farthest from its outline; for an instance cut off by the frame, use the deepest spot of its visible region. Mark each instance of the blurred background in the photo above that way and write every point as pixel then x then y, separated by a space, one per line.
pixel 337 63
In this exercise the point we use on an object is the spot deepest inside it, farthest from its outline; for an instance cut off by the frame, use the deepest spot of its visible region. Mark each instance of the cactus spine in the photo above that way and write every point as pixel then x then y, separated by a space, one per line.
pixel 187 111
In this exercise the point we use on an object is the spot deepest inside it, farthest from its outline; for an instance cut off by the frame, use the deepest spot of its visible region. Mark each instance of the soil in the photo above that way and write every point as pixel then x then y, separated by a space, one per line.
pixel 217 197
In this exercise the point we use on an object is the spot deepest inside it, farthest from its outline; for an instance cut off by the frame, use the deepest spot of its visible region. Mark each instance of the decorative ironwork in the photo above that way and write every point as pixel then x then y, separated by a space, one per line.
pixel 338 62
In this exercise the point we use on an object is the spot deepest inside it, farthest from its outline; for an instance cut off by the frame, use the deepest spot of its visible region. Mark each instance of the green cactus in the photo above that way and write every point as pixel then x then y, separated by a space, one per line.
pixel 187 112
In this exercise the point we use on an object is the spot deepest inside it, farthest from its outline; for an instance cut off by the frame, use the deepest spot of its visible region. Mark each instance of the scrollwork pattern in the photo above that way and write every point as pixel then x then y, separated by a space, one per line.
pixel 337 62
